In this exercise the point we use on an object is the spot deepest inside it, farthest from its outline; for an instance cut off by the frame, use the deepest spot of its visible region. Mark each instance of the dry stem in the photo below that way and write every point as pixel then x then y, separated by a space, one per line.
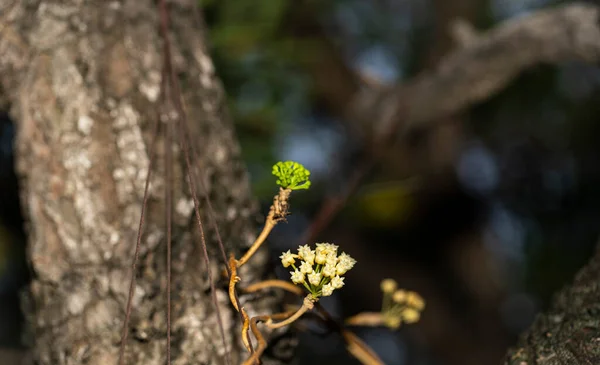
pixel 370 319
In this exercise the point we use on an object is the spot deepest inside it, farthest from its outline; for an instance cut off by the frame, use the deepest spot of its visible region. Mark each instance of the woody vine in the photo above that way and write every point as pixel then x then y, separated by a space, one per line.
pixel 315 273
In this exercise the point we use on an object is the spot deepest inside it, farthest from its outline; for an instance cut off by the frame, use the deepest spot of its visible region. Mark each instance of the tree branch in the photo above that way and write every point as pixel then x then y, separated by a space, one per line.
pixel 487 64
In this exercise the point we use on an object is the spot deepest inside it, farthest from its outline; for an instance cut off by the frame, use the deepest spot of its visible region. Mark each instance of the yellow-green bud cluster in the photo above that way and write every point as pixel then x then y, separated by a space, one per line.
pixel 320 270
pixel 291 175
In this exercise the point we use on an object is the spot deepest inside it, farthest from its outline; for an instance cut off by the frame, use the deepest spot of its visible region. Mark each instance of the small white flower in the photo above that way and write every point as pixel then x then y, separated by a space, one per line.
pixel 314 278
pixel 329 270
pixel 321 248
pixel 321 258
pixel 305 251
pixel 346 259
pixel 326 249
pixel 337 282
pixel 306 254
pixel 297 277
pixel 310 259
pixel 331 259
pixel 345 263
pixel 287 258
pixel 306 268
pixel 327 290
pixel 334 249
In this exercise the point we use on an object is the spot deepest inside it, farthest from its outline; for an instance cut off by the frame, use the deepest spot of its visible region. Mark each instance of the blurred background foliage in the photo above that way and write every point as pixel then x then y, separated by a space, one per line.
pixel 486 213
pixel 496 208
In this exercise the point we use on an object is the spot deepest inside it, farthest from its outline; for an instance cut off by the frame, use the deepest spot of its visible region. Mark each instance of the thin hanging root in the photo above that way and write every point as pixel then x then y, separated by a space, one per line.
pixel 281 284
pixel 152 151
pixel 370 319
pixel 360 350
pixel 254 359
pixel 232 280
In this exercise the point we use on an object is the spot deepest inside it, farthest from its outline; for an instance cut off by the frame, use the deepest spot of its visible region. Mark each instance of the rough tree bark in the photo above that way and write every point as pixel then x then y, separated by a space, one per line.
pixel 568 333
pixel 81 79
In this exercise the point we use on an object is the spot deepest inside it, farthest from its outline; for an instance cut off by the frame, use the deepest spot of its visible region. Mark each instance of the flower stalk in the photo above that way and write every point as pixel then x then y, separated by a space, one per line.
pixel 398 306
pixel 307 304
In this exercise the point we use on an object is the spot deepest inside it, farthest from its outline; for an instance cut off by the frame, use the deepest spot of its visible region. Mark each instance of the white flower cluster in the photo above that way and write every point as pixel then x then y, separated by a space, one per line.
pixel 320 270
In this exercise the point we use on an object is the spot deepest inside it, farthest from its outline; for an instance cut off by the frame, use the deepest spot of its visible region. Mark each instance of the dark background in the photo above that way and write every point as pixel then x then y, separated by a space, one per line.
pixel 486 213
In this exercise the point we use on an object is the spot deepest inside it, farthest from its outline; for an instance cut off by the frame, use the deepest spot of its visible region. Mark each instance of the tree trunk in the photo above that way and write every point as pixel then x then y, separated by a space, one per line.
pixel 81 80
pixel 569 332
